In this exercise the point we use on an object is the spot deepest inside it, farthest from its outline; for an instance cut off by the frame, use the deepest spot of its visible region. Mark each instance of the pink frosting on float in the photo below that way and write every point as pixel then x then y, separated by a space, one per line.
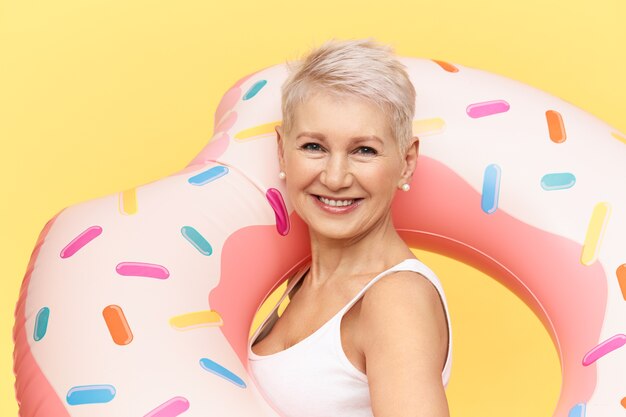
pixel 255 260
pixel 32 383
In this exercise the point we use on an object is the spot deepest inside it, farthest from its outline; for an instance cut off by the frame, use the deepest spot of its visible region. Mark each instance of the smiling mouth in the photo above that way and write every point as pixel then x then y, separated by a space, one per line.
pixel 337 202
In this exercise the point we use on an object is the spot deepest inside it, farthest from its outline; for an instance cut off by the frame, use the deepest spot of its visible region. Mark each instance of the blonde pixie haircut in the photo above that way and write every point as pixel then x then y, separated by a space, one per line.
pixel 359 67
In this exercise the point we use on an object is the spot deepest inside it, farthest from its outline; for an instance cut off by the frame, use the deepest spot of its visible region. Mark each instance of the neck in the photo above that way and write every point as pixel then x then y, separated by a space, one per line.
pixel 334 260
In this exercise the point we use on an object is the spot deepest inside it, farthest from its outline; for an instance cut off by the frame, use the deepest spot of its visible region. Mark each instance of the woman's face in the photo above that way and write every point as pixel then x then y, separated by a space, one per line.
pixel 343 166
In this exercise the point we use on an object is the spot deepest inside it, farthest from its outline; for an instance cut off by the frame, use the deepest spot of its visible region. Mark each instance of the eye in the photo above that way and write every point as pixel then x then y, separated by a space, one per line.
pixel 366 150
pixel 311 146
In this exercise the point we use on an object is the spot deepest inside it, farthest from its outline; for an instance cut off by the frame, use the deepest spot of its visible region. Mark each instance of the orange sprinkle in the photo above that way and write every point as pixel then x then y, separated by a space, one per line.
pixel 555 126
pixel 446 66
pixel 621 278
pixel 623 402
pixel 117 324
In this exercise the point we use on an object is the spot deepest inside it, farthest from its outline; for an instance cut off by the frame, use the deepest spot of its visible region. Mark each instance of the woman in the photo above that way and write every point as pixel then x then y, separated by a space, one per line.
pixel 366 329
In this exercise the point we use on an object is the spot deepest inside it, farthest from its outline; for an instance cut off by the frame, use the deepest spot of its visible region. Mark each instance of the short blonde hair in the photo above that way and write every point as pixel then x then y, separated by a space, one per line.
pixel 357 67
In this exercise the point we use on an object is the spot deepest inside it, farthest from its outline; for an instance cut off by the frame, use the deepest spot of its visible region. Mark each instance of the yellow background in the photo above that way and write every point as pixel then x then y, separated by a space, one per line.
pixel 100 96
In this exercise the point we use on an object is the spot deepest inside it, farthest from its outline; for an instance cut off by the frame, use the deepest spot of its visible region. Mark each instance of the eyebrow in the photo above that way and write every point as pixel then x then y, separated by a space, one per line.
pixel 320 136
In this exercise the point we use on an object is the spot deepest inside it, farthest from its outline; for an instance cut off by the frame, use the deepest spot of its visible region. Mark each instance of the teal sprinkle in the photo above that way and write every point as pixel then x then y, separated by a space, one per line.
pixel 558 181
pixel 41 323
pixel 197 240
pixel 256 87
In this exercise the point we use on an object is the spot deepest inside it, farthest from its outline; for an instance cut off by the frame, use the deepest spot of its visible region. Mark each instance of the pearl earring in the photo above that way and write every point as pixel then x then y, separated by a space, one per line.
pixel 406 187
pixel 282 175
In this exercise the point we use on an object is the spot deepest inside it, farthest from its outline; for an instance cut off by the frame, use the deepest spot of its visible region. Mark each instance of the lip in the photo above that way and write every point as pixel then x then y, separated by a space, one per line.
pixel 337 209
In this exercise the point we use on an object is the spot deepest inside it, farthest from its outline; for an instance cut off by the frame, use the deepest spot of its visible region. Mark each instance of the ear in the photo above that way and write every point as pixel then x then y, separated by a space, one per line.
pixel 280 146
pixel 410 161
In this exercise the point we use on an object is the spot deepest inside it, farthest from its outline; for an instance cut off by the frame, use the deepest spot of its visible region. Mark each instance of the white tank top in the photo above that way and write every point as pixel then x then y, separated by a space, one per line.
pixel 314 377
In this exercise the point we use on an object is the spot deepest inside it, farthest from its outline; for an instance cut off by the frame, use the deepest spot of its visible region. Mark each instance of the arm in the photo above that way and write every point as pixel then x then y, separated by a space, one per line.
pixel 405 340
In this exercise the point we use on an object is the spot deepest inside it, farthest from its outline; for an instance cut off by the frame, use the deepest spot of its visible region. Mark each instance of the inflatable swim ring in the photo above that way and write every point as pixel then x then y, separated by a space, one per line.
pixel 139 303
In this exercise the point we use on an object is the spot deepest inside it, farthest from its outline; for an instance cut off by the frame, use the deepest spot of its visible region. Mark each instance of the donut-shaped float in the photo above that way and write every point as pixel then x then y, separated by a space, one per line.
pixel 140 303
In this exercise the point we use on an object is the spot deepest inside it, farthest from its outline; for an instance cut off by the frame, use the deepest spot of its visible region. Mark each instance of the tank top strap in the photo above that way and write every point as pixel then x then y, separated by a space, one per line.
pixel 410 264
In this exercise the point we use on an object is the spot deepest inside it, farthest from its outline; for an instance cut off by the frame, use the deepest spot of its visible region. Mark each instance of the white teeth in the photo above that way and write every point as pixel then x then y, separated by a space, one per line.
pixel 335 202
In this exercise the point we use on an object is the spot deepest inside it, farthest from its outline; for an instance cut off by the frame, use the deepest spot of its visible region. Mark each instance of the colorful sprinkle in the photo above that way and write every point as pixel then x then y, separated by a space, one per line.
pixel 446 66
pixel 595 232
pixel 256 87
pixel 556 128
pixel 117 324
pixel 90 394
pixel 188 321
pixel 619 137
pixel 621 278
pixel 197 240
pixel 81 240
pixel 491 188
pixel 425 127
pixel 558 181
pixel 256 132
pixel 128 201
pixel 141 269
pixel 603 348
pixel 213 367
pixel 209 175
pixel 487 108
pixel 41 323
pixel 579 410
pixel 170 408
pixel 275 199
pixel 623 402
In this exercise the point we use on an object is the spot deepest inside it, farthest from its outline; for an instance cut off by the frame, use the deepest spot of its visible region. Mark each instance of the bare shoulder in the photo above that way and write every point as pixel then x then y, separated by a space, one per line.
pixel 402 290
pixel 404 338
pixel 404 309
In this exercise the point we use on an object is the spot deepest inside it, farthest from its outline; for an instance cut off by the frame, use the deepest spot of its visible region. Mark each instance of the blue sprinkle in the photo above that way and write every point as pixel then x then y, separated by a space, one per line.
pixel 196 239
pixel 90 394
pixel 252 91
pixel 491 188
pixel 41 323
pixel 579 410
pixel 559 181
pixel 208 175
pixel 219 370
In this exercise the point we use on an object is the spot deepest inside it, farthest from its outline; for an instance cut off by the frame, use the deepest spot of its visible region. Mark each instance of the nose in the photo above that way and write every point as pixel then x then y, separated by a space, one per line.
pixel 336 174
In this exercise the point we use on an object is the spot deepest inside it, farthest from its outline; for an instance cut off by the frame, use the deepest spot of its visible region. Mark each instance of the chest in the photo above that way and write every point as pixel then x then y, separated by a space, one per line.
pixel 305 315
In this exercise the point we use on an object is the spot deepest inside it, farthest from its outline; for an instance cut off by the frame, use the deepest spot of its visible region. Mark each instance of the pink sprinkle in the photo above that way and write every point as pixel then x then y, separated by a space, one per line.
pixel 487 108
pixel 81 240
pixel 278 205
pixel 140 269
pixel 171 408
pixel 603 348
